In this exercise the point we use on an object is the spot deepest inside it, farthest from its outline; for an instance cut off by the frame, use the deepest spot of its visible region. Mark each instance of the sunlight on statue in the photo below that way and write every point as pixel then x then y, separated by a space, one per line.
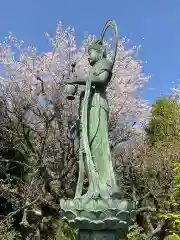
pixel 94 144
pixel 101 207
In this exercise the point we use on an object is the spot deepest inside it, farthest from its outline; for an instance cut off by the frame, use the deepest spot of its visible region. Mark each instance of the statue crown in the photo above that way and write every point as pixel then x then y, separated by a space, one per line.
pixel 96 45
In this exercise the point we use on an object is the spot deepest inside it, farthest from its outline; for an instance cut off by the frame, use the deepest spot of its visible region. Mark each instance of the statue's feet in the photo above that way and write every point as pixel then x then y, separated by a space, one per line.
pixel 104 193
pixel 92 193
pixel 115 192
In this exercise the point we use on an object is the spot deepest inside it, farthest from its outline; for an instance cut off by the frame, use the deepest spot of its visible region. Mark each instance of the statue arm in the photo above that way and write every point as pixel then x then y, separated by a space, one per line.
pixel 96 79
pixel 102 78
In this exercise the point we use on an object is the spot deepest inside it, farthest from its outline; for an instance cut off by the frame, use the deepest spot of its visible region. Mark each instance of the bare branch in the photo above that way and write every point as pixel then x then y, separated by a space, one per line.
pixel 12 214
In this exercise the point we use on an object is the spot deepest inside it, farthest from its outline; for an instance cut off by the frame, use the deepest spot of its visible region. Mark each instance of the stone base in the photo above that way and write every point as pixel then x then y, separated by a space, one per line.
pixel 97 235
pixel 100 214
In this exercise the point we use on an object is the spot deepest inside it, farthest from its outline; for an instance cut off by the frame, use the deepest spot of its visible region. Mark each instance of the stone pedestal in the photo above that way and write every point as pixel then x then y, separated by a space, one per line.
pixel 99 219
pixel 96 235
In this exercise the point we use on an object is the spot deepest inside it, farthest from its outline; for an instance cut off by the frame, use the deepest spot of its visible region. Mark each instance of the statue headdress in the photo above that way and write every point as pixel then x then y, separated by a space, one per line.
pixel 96 45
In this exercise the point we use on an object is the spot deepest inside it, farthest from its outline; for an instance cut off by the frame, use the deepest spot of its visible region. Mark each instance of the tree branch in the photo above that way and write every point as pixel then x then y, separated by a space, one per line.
pixel 12 214
pixel 160 230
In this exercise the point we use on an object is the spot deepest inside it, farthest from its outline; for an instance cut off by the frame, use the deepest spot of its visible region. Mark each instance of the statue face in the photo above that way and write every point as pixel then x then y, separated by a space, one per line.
pixel 93 56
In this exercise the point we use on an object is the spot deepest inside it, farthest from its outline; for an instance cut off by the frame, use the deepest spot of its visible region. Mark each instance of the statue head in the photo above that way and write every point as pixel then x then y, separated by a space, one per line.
pixel 96 51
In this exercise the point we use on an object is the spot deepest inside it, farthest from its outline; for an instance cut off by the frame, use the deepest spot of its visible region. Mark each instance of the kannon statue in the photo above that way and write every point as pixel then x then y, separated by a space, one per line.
pixel 94 152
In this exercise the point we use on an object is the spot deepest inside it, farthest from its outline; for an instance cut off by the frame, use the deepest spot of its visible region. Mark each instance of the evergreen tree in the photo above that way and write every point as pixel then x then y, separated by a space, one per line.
pixel 164 133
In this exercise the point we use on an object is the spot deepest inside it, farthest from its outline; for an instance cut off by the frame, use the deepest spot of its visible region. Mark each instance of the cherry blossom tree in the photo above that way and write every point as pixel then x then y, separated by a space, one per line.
pixel 125 90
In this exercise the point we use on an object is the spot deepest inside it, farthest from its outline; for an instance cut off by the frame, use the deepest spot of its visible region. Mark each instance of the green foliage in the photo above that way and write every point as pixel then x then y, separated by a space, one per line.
pixel 165 121
pixel 8 233
pixel 164 135
pixel 174 217
pixel 63 231
pixel 175 236
pixel 136 233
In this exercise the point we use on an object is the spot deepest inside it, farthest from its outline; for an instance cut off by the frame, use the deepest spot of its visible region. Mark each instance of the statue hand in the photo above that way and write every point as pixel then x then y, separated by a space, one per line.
pixel 70 80
pixel 70 90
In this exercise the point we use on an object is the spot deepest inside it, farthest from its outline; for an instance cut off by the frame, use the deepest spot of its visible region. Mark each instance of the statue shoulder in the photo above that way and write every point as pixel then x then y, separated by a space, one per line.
pixel 103 65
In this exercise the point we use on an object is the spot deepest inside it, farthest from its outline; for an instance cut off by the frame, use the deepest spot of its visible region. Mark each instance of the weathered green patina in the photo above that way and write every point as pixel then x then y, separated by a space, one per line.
pixel 95 150
pixel 100 207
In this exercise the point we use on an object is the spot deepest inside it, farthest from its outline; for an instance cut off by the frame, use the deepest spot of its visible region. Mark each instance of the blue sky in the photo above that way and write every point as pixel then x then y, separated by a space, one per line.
pixel 154 24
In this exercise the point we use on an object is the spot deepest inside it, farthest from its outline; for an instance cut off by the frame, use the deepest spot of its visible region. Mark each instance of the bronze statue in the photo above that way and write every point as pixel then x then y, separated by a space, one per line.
pixel 94 145
pixel 99 213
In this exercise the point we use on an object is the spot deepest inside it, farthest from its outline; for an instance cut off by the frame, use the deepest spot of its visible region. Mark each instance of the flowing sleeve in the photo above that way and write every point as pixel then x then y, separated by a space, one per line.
pixel 103 65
